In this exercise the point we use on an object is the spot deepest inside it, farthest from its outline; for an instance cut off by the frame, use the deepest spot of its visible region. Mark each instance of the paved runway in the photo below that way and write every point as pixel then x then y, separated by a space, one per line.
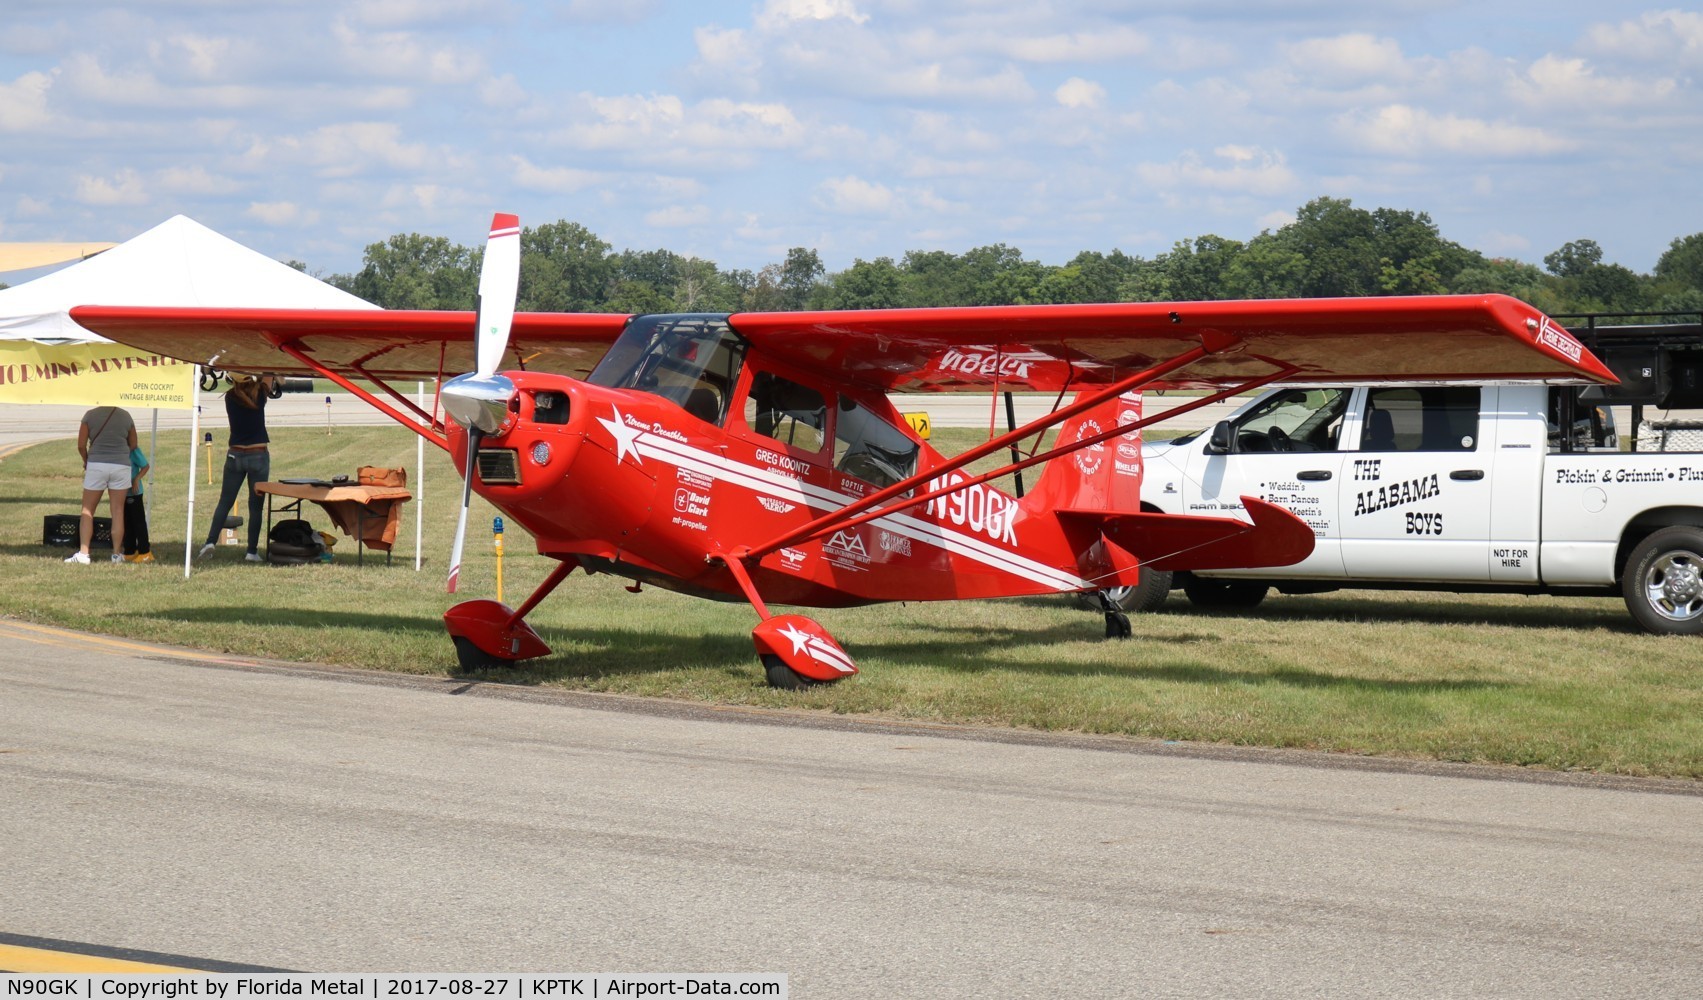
pixel 328 820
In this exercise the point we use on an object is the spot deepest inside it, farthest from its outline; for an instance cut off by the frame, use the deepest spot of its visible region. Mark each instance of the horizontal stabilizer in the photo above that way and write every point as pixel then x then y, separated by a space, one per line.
pixel 1186 541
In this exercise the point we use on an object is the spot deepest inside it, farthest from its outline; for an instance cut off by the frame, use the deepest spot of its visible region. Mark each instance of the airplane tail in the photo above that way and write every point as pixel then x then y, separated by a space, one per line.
pixel 1102 477
pixel 1095 494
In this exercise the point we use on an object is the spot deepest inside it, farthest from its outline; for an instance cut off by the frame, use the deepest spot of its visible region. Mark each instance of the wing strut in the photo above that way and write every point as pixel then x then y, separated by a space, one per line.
pixel 427 431
pixel 1212 343
pixel 1049 455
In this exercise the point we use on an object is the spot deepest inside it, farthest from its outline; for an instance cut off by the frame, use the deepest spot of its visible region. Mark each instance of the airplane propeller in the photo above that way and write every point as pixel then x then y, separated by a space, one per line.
pixel 479 401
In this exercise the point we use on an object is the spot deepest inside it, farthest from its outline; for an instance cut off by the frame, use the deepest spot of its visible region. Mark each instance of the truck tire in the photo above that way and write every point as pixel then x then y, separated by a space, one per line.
pixel 1224 595
pixel 1663 581
pixel 1145 597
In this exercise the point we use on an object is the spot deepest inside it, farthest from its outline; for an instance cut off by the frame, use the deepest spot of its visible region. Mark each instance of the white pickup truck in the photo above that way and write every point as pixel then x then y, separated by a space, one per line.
pixel 1519 489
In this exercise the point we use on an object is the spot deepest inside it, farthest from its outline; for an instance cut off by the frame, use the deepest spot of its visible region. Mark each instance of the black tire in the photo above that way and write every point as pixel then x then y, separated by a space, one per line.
pixel 1144 598
pixel 1224 595
pixel 784 678
pixel 473 659
pixel 1663 581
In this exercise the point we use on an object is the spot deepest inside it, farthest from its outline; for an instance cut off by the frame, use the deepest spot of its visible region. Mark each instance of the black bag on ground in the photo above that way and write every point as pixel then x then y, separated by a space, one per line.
pixel 293 542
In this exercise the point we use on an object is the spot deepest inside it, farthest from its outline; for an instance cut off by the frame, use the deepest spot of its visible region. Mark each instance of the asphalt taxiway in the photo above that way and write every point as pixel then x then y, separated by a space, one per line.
pixel 312 818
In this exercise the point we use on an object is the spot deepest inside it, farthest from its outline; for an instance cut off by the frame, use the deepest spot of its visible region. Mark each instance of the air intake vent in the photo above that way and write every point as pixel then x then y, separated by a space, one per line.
pixel 499 465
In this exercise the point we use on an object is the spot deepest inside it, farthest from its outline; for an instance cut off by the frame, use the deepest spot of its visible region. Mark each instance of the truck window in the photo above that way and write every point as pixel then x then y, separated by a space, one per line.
pixel 1590 420
pixel 1293 420
pixel 1442 418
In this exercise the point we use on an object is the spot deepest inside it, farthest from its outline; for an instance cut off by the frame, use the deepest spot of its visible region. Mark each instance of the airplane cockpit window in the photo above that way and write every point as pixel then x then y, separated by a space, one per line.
pixel 792 414
pixel 1294 420
pixel 690 360
pixel 870 448
pixel 1442 418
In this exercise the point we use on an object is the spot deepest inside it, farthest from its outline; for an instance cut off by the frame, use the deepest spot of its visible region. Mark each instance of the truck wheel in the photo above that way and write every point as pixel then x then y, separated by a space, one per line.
pixel 1663 582
pixel 1145 597
pixel 1224 595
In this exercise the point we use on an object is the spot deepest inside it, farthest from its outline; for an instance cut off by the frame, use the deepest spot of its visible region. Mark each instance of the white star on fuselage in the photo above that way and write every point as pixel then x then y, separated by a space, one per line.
pixel 798 636
pixel 626 438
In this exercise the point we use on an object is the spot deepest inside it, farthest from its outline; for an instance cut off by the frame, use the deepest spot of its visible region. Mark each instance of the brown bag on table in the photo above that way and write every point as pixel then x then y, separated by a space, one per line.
pixel 372 475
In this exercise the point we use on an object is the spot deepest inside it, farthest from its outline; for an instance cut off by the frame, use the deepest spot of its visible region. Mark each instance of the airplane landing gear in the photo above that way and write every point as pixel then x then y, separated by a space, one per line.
pixel 1117 623
pixel 488 634
pixel 798 653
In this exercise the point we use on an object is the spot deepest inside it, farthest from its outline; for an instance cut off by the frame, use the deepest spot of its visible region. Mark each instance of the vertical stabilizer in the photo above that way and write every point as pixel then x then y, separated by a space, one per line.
pixel 1101 477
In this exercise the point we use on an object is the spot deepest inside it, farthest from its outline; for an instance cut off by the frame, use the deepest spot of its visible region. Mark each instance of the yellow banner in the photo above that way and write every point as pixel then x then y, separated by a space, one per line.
pixel 93 375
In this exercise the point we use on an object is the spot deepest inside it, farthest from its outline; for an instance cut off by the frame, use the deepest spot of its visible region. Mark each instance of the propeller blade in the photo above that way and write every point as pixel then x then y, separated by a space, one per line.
pixel 473 437
pixel 499 280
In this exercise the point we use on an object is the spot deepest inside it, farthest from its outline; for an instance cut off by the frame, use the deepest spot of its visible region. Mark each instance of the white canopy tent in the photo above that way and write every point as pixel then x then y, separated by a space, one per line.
pixel 177 263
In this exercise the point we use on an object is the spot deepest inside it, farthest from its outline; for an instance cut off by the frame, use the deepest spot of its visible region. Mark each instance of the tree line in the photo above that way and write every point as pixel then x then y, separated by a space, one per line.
pixel 1331 249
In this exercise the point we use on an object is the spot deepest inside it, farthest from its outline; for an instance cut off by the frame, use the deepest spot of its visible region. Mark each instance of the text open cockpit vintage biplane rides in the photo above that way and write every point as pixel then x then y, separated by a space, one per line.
pixel 756 456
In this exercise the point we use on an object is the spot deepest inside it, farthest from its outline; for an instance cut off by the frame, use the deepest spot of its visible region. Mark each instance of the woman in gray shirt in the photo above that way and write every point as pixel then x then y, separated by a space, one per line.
pixel 104 439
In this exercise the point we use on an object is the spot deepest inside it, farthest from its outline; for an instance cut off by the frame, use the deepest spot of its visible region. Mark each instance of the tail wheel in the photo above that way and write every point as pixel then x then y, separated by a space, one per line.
pixel 1663 581
pixel 1224 595
pixel 783 677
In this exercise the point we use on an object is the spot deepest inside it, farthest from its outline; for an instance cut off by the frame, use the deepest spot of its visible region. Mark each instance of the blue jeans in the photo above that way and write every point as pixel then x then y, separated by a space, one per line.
pixel 256 467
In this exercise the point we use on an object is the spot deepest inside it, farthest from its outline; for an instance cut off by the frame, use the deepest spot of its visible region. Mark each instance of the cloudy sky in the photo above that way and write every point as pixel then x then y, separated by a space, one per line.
pixel 863 128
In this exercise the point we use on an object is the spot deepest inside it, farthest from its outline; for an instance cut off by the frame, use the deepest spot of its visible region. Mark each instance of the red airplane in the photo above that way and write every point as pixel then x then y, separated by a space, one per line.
pixel 756 456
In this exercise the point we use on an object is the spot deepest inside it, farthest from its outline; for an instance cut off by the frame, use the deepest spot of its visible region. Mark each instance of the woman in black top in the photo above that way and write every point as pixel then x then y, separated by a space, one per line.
pixel 247 458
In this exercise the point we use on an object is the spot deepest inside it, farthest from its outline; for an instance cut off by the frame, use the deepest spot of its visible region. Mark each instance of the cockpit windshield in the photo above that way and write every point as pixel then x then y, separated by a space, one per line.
pixel 692 360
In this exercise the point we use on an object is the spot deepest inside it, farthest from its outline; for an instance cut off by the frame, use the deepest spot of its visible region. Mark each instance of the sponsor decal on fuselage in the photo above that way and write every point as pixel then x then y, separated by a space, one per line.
pixel 776 506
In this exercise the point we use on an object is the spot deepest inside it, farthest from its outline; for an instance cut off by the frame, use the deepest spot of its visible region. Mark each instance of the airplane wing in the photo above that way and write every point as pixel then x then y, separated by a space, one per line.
pixel 1441 338
pixel 383 343
pixel 1445 338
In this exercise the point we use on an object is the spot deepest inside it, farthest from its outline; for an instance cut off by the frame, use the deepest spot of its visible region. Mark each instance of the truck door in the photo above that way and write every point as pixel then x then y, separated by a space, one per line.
pixel 1416 500
pixel 1285 449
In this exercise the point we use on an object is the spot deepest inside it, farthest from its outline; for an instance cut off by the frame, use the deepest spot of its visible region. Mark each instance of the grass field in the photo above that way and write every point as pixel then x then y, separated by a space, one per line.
pixel 1541 682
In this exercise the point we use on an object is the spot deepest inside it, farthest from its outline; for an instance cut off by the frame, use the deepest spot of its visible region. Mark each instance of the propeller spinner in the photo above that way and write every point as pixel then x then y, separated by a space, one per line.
pixel 479 401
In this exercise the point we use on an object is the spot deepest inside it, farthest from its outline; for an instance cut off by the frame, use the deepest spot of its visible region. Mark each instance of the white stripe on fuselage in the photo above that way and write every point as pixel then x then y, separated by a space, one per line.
pixel 650 445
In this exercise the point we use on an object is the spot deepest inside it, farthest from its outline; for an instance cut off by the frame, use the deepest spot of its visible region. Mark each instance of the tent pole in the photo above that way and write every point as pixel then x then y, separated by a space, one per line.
pixel 194 445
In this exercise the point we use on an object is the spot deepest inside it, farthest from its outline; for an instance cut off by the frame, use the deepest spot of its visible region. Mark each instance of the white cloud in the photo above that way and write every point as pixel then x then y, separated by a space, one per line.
pixel 23 102
pixel 778 15
pixel 855 196
pixel 678 216
pixel 401 55
pixel 124 188
pixel 1657 35
pixel 349 149
pixel 1572 85
pixel 1079 93
pixel 665 125
pixel 1350 56
pixel 400 13
pixel 192 180
pixel 556 180
pixel 1250 170
pixel 1402 130
pixel 1117 42
pixel 281 213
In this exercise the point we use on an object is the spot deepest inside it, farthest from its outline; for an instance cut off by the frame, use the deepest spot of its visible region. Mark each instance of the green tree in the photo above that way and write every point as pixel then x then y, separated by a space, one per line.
pixel 564 267
pixel 1573 259
pixel 1681 264
pixel 800 274
pixel 866 284
pixel 416 272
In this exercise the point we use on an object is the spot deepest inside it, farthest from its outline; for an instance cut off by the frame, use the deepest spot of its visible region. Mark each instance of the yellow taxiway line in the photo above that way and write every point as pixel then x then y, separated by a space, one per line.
pixel 16 958
pixel 52 636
